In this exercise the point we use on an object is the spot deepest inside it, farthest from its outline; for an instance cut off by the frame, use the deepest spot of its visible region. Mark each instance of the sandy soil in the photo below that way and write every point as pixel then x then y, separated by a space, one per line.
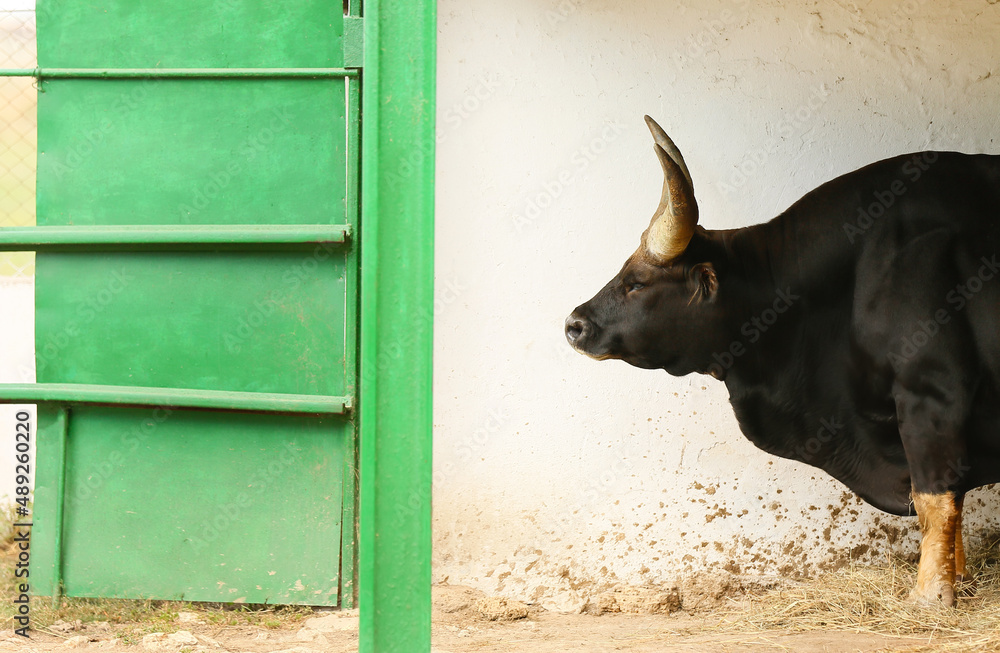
pixel 464 621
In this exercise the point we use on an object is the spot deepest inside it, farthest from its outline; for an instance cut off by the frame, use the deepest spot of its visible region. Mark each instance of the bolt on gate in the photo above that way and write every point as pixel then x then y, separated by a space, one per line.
pixel 233 305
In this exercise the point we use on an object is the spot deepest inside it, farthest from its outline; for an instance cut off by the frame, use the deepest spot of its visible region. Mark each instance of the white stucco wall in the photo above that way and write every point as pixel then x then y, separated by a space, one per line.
pixel 17 365
pixel 556 476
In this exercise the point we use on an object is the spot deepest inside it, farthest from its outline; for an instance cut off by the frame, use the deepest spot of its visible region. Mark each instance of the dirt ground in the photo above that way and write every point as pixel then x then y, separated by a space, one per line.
pixel 461 623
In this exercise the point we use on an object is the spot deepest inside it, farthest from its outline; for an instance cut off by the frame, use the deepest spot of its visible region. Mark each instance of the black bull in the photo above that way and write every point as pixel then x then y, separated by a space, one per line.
pixel 856 332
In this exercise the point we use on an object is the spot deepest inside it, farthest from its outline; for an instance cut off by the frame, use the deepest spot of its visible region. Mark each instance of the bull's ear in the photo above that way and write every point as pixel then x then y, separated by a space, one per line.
pixel 704 282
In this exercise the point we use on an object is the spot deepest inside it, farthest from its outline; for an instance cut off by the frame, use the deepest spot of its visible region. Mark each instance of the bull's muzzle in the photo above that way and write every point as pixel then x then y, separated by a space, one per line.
pixel 578 329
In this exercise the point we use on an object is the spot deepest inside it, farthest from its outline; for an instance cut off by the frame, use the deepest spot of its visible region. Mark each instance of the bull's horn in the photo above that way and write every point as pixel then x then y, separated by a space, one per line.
pixel 673 225
pixel 668 146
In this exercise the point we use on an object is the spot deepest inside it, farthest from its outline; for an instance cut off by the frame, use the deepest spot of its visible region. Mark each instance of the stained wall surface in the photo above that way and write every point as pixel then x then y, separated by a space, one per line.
pixel 557 476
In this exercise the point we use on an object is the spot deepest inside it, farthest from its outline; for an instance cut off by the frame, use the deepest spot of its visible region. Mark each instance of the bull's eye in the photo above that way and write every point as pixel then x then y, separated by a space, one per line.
pixel 635 285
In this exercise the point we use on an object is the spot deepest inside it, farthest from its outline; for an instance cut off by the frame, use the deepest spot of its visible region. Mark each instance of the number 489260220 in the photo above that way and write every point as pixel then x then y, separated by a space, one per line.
pixel 22 447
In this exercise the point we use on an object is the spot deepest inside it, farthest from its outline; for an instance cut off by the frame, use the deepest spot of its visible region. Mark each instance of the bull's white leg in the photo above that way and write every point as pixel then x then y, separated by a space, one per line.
pixel 940 518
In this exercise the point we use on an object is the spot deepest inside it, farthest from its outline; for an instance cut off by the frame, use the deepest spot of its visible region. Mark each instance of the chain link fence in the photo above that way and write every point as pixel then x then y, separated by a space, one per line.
pixel 18 151
pixel 18 141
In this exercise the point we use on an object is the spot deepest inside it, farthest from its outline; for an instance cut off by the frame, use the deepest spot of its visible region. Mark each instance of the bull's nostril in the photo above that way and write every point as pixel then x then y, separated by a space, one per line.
pixel 575 328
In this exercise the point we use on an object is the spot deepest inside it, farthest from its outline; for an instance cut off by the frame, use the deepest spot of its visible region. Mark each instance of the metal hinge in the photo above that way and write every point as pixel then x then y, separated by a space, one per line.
pixel 354 42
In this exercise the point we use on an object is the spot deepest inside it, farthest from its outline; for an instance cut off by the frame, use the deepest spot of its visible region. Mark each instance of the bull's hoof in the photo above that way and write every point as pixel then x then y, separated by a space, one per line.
pixel 934 595
pixel 966 585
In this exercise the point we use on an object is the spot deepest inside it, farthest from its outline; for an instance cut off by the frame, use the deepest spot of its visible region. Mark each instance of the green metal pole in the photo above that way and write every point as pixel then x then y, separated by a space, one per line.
pixel 397 296
pixel 92 237
pixel 178 73
pixel 85 393
pixel 349 539
pixel 62 429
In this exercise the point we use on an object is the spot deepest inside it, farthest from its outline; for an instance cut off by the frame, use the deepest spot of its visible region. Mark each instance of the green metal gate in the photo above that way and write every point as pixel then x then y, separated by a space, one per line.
pixel 205 283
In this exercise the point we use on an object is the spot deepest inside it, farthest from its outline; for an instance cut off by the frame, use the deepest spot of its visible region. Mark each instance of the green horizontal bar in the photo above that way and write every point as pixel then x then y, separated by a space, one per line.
pixel 61 238
pixel 79 393
pixel 178 73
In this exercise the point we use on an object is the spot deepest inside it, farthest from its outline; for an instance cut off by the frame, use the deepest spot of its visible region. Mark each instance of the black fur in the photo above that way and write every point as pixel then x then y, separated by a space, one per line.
pixel 857 332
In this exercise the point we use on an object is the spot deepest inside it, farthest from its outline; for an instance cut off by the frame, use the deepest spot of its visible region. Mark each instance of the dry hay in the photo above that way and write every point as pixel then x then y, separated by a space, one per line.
pixel 875 600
